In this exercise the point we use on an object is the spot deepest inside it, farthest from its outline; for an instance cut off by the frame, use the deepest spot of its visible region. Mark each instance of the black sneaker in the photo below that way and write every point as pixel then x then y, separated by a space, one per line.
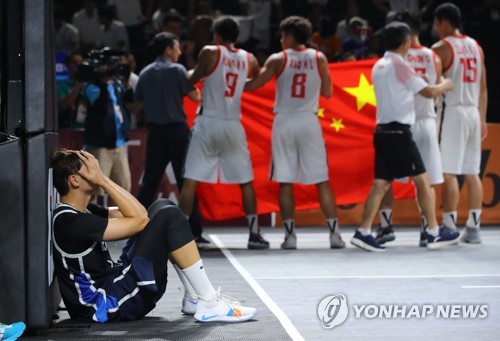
pixel 385 234
pixel 443 239
pixel 367 243
pixel 257 242
pixel 203 243
pixel 423 239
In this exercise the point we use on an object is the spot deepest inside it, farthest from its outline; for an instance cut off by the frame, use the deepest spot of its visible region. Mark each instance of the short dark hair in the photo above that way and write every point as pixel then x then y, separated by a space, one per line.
pixel 450 13
pixel 227 28
pixel 395 34
pixel 64 163
pixel 300 28
pixel 411 19
pixel 58 12
pixel 172 16
pixel 163 40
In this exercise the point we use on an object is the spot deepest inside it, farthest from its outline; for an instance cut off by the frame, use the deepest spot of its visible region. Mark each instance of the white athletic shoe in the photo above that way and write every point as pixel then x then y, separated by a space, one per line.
pixel 336 241
pixel 189 304
pixel 290 242
pixel 225 309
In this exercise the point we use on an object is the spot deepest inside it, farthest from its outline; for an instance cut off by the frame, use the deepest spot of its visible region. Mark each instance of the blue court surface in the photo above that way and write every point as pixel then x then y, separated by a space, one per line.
pixel 407 292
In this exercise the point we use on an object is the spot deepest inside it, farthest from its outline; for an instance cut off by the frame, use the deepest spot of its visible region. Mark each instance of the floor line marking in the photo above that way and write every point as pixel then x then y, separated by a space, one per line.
pixel 376 277
pixel 480 286
pixel 275 309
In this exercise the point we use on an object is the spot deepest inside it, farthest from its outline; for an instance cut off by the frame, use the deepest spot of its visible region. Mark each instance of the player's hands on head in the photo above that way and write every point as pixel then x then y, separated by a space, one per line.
pixel 90 169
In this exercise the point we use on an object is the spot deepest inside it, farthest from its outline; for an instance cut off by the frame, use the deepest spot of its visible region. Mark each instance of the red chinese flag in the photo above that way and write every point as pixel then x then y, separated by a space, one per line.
pixel 348 121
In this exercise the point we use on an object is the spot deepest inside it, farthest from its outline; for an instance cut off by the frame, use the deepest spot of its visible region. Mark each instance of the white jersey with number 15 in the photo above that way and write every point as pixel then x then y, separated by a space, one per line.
pixel 465 70
pixel 298 84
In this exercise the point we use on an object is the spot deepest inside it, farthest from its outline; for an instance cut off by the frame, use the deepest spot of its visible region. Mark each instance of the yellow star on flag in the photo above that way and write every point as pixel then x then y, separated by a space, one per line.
pixel 321 112
pixel 337 124
pixel 364 92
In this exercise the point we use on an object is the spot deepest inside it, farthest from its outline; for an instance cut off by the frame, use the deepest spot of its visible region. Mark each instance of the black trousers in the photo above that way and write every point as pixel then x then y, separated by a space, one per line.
pixel 167 143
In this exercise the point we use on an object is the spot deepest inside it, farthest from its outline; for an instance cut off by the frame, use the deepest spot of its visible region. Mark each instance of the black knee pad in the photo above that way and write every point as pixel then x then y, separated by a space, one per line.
pixel 157 205
pixel 173 225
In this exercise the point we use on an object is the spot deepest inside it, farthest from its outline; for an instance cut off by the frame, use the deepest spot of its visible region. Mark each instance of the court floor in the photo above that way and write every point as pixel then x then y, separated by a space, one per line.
pixel 406 292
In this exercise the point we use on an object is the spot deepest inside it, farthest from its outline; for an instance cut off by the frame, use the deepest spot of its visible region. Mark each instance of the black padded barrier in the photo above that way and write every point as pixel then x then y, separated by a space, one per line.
pixel 42 291
pixel 12 234
pixel 39 80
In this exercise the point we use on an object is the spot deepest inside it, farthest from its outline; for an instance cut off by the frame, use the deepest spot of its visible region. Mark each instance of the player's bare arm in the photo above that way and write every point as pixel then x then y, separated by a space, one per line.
pixel 326 82
pixel 207 58
pixel 443 51
pixel 439 68
pixel 195 95
pixel 483 98
pixel 433 91
pixel 135 216
pixel 254 66
pixel 270 69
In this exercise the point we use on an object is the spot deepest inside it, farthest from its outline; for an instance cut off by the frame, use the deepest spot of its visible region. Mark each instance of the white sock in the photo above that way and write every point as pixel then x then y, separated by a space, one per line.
pixel 423 225
pixel 253 223
pixel 365 231
pixel 433 231
pixel 188 288
pixel 385 216
pixel 474 219
pixel 333 225
pixel 198 278
pixel 289 225
pixel 450 219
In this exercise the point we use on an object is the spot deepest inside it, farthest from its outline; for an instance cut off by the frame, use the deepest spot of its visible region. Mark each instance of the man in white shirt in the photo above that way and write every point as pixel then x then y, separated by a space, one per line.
pixel 113 32
pixel 87 23
pixel 65 35
pixel 396 154
pixel 428 66
pixel 261 10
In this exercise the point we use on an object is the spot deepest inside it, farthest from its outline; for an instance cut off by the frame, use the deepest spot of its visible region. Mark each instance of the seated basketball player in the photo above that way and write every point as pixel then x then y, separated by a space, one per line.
pixel 93 286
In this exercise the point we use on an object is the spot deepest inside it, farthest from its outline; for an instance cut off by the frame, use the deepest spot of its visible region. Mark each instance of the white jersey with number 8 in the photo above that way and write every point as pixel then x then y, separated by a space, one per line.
pixel 298 84
pixel 223 85
pixel 465 70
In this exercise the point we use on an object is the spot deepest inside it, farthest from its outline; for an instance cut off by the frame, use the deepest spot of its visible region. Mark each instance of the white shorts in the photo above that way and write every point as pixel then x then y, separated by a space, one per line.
pixel 425 136
pixel 218 146
pixel 298 149
pixel 460 140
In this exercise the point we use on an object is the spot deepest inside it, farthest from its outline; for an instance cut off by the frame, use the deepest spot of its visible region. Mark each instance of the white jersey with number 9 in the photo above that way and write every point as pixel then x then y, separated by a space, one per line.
pixel 223 86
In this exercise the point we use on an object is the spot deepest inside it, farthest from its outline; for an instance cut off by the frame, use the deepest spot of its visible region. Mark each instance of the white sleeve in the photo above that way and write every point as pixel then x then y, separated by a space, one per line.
pixel 408 77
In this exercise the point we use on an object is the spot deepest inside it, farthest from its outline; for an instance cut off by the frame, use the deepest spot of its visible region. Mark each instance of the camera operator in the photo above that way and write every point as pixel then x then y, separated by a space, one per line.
pixel 68 92
pixel 108 121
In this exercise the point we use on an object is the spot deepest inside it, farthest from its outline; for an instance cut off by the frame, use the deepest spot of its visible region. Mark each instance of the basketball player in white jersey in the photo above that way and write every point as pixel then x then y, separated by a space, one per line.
pixel 428 66
pixel 463 121
pixel 298 148
pixel 218 142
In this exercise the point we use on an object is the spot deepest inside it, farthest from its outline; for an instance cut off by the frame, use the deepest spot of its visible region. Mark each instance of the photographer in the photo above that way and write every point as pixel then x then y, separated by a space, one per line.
pixel 68 92
pixel 108 120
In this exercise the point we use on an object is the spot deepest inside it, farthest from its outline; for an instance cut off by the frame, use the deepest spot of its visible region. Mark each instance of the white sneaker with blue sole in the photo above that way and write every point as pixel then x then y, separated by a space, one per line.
pixel 223 309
